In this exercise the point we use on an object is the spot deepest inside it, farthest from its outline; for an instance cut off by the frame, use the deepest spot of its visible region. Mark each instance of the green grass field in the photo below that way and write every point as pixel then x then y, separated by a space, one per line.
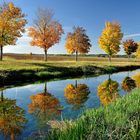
pixel 18 62
pixel 118 121
pixel 22 68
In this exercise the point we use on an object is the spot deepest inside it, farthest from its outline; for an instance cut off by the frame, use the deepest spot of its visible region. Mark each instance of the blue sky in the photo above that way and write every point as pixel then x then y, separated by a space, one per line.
pixel 90 14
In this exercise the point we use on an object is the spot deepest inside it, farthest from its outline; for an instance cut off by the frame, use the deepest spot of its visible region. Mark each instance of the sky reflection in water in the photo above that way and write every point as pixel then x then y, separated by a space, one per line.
pixel 32 106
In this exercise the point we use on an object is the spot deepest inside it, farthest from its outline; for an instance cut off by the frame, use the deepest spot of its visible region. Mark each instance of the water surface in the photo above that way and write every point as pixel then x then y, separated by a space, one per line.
pixel 25 111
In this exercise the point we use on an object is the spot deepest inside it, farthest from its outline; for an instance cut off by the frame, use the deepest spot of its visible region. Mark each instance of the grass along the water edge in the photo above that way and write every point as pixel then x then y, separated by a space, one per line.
pixel 118 121
pixel 21 71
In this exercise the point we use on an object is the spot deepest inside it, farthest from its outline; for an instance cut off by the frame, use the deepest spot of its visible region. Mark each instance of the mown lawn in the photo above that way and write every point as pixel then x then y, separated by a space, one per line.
pixel 118 121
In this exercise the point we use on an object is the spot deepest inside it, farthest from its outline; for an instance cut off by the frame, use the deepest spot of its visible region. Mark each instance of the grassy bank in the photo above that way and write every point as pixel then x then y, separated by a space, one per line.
pixel 117 121
pixel 14 71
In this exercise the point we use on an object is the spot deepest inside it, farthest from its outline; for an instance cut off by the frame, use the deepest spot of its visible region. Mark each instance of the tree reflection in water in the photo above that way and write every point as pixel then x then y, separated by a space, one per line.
pixel 12 118
pixel 128 84
pixel 136 77
pixel 45 107
pixel 108 91
pixel 76 94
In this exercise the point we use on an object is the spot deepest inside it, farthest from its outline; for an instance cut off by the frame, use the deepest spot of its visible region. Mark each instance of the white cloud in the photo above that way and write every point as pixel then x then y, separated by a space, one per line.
pixel 22 46
pixel 131 35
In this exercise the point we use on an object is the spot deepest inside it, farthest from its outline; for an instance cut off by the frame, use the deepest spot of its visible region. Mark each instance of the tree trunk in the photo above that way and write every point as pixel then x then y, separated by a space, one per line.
pixel 1 53
pixel 76 83
pixel 12 136
pixel 128 74
pixel 2 98
pixel 45 88
pixel 45 56
pixel 109 77
pixel 109 58
pixel 76 57
pixel 128 58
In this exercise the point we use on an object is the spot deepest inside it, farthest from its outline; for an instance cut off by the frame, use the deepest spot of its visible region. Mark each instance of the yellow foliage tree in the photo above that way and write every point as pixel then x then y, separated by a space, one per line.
pixel 78 42
pixel 128 84
pixel 76 95
pixel 12 24
pixel 111 38
pixel 46 32
pixel 137 53
pixel 12 118
pixel 108 91
pixel 136 77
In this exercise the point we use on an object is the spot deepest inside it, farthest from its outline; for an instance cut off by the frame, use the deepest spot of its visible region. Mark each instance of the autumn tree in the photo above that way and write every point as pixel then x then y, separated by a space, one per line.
pixel 12 24
pixel 76 94
pixel 130 46
pixel 44 106
pixel 108 91
pixel 77 42
pixel 137 53
pixel 110 39
pixel 46 31
pixel 128 84
pixel 136 77
pixel 12 118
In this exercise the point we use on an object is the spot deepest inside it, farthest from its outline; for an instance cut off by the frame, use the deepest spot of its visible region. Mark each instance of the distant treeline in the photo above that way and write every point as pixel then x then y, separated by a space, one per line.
pixel 84 55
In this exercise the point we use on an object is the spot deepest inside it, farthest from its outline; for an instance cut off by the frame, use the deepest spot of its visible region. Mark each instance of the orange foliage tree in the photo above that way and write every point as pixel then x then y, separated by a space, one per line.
pixel 108 91
pixel 76 94
pixel 78 42
pixel 130 47
pixel 46 32
pixel 12 24
pixel 44 106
